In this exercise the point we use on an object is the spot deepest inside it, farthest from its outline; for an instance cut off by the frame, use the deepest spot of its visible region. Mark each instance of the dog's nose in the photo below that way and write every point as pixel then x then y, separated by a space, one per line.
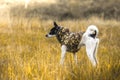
pixel 46 35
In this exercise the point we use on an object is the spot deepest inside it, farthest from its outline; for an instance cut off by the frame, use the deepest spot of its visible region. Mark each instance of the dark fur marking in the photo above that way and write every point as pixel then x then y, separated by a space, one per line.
pixel 93 35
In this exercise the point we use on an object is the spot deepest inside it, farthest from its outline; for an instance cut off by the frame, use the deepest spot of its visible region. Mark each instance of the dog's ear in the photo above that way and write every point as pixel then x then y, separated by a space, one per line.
pixel 55 24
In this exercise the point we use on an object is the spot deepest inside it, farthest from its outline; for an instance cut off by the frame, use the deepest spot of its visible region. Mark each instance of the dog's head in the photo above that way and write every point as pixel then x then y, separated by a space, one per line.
pixel 92 31
pixel 53 31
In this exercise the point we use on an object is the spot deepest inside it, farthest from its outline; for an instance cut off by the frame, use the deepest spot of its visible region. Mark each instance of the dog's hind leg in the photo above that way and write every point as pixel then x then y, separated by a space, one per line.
pixel 63 49
pixel 75 57
pixel 91 49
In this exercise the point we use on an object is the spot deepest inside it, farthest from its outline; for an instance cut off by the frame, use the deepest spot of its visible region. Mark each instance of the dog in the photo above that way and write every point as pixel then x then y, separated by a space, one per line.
pixel 72 42
pixel 91 42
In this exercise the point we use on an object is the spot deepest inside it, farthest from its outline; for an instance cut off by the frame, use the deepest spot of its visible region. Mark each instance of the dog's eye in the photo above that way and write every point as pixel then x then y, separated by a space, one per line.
pixel 52 32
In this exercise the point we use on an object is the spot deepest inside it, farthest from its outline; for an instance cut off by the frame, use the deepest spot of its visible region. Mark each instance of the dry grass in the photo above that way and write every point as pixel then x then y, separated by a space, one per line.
pixel 26 54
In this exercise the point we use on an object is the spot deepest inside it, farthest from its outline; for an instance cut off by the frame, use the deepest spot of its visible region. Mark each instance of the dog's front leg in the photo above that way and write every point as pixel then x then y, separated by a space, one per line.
pixel 63 49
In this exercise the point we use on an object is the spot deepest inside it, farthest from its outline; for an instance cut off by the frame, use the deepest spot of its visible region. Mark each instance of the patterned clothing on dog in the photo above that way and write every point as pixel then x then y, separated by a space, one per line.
pixel 71 40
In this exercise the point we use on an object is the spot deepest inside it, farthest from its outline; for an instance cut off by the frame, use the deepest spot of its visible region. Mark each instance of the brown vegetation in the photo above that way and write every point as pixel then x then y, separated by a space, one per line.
pixel 69 9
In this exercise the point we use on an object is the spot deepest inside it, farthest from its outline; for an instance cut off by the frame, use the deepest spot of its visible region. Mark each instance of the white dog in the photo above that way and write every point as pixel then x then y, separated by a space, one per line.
pixel 91 42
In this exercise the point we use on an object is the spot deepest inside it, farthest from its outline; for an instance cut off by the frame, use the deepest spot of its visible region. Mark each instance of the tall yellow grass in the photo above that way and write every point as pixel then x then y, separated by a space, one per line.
pixel 26 54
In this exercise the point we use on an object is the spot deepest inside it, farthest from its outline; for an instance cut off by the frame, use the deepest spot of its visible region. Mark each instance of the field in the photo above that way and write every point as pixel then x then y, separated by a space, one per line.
pixel 26 54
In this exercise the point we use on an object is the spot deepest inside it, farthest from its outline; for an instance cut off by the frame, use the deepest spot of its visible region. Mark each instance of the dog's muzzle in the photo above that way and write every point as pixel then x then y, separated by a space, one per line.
pixel 49 36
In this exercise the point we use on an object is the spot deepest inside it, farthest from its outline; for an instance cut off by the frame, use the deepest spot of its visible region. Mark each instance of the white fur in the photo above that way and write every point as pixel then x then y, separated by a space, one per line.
pixel 90 43
pixel 49 36
pixel 63 49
